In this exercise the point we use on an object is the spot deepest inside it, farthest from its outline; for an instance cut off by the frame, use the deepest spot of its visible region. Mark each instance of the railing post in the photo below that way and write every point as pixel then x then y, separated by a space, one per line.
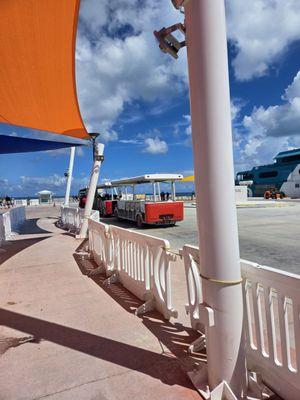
pixel 69 177
pixel 214 185
pixel 98 158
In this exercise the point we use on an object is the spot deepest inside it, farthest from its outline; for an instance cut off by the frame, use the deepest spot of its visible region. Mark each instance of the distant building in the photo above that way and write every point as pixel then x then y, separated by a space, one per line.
pixel 45 197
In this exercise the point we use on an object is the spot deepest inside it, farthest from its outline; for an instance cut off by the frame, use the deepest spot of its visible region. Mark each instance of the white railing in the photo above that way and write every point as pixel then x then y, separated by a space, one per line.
pixel 34 202
pixel 272 305
pixel 5 226
pixel 194 286
pixel 17 217
pixel 71 218
pixel 100 247
pixel 21 202
pixel 10 222
pixel 140 262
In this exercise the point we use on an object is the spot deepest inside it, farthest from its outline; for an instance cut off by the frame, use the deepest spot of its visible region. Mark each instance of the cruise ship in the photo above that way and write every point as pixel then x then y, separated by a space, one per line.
pixel 283 175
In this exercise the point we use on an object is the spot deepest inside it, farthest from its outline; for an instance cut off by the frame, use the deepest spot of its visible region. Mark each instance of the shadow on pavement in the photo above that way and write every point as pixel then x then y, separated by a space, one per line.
pixel 11 247
pixel 30 226
pixel 164 367
pixel 175 337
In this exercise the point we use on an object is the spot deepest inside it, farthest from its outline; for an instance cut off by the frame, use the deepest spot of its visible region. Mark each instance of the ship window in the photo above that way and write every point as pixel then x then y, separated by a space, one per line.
pixel 291 158
pixel 268 174
pixel 246 176
pixel 297 185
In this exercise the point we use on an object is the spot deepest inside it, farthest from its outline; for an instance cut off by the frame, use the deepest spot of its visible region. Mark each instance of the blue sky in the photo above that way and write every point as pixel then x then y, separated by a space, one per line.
pixel 138 97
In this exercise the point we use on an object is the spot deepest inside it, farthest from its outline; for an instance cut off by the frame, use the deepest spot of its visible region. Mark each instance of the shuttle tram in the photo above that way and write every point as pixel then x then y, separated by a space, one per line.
pixel 159 208
pixel 121 199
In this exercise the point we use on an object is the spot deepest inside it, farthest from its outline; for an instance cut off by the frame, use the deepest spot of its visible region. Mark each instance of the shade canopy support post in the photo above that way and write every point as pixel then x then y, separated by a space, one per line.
pixel 98 149
pixel 69 176
pixel 214 185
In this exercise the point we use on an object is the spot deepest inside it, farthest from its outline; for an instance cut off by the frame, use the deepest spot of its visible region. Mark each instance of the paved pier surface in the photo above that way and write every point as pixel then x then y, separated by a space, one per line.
pixel 268 235
pixel 64 336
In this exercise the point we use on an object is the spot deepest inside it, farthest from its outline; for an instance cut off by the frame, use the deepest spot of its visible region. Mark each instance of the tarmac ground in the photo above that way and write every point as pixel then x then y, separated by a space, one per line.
pixel 268 235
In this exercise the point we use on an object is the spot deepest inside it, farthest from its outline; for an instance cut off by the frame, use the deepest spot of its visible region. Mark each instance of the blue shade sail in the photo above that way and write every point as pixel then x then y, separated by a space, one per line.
pixel 14 144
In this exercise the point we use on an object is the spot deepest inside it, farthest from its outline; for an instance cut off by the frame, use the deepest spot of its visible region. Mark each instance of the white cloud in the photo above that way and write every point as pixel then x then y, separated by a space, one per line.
pixel 79 152
pixel 155 146
pixel 56 183
pixel 236 107
pixel 108 136
pixel 30 185
pixel 129 141
pixel 269 130
pixel 6 187
pixel 118 60
pixel 278 120
pixel 261 31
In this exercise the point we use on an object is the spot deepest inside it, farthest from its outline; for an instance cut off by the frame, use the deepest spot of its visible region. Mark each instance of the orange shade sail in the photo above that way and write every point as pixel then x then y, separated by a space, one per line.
pixel 37 65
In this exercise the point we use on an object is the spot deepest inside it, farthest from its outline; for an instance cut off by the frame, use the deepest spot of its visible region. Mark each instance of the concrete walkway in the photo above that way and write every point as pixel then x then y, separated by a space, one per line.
pixel 63 336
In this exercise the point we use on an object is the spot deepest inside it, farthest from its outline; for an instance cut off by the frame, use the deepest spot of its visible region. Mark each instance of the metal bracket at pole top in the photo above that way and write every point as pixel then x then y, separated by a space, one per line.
pixel 179 4
pixel 168 42
pixel 99 158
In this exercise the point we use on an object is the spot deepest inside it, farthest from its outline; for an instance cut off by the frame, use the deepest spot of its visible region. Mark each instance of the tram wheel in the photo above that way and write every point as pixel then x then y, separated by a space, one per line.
pixel 139 221
pixel 116 214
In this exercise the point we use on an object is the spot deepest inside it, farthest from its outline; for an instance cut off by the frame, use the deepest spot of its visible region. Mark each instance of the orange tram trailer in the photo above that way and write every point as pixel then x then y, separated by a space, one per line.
pixel 158 209
pixel 105 199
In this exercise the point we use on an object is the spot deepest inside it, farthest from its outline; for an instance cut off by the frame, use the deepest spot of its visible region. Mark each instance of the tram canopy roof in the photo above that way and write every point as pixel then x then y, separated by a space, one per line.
pixel 14 144
pixel 189 178
pixel 147 179
pixel 37 67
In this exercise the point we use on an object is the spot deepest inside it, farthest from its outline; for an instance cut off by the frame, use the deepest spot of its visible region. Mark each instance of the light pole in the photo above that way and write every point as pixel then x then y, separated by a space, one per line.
pixel 69 175
pixel 98 149
pixel 205 29
pixel 214 184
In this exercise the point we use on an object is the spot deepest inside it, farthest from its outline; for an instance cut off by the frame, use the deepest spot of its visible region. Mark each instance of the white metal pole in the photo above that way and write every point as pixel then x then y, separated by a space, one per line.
pixel 98 158
pixel 214 184
pixel 70 174
pixel 173 191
